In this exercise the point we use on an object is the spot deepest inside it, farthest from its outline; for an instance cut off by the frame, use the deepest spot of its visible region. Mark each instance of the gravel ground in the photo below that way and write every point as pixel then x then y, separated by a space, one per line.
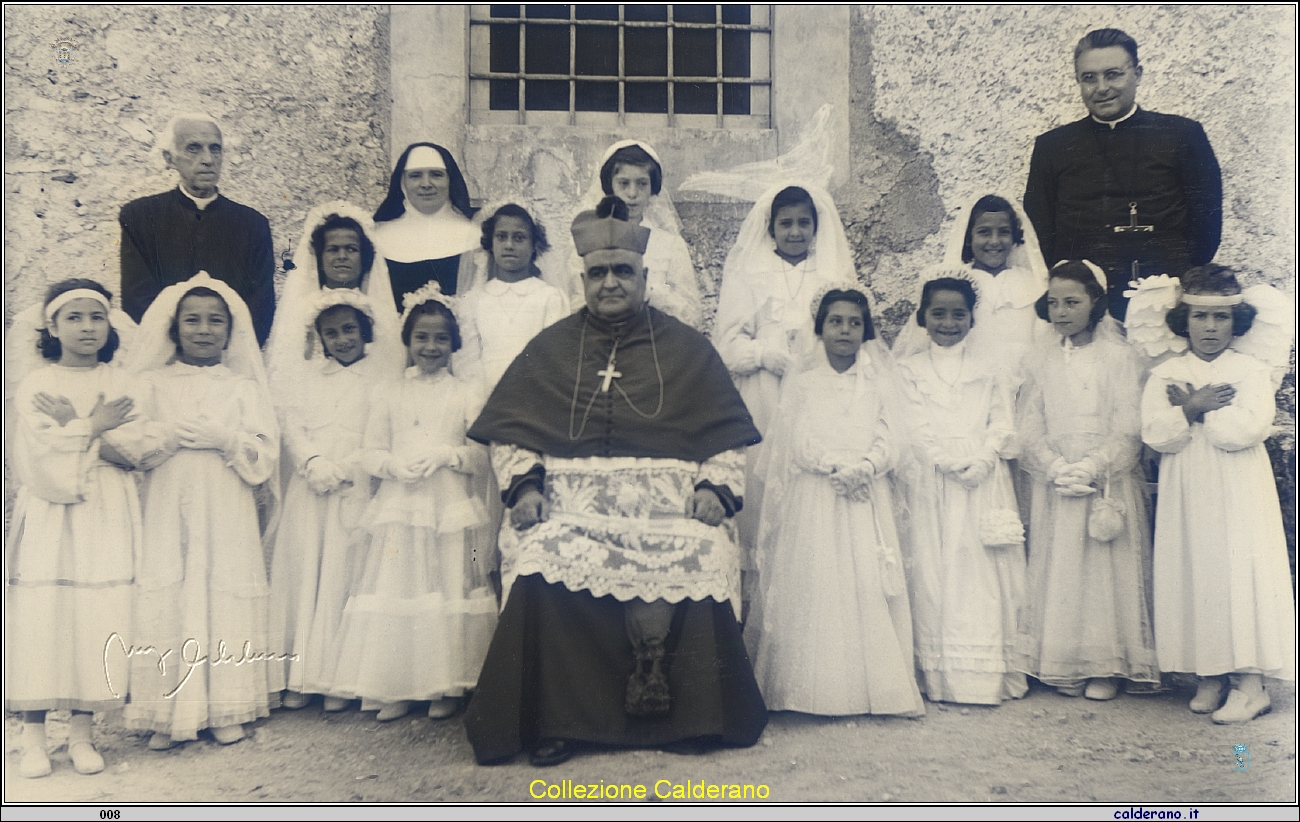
pixel 1044 748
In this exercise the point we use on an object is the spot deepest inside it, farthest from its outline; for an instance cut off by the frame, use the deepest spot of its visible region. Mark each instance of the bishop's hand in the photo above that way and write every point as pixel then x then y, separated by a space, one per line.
pixel 529 509
pixel 705 506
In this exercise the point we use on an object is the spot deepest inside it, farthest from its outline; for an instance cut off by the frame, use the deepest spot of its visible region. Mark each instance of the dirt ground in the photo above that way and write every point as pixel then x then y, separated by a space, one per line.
pixel 1044 748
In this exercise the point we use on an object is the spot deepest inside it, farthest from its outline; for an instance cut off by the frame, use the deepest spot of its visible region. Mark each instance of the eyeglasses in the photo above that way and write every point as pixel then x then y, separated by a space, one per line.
pixel 1112 76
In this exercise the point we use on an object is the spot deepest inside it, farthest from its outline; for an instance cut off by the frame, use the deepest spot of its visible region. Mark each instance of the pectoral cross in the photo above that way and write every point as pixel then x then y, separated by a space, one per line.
pixel 608 373
pixel 1134 227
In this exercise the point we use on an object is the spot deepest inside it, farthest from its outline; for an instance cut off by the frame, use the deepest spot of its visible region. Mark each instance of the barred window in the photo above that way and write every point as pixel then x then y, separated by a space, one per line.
pixel 692 66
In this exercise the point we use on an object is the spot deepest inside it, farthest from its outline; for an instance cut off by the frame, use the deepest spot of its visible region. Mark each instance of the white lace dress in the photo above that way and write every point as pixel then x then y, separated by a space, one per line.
pixel 420 614
pixel 316 544
pixel 966 555
pixel 201 583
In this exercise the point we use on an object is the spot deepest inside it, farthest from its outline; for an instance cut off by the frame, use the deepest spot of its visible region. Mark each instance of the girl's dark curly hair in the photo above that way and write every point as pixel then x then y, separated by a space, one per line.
pixel 540 245
pixel 1211 279
pixel 837 296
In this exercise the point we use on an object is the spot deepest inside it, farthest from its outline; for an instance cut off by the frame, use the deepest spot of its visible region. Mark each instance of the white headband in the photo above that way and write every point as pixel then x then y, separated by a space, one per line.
pixel 68 296
pixel 1097 273
pixel 425 157
pixel 1212 299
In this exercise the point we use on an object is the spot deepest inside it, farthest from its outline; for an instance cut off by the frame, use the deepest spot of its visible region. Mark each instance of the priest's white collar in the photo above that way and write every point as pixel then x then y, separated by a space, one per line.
pixel 201 202
pixel 1118 120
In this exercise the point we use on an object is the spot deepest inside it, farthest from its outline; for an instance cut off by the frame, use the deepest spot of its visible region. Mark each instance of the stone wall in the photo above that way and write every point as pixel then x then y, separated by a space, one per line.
pixel 301 91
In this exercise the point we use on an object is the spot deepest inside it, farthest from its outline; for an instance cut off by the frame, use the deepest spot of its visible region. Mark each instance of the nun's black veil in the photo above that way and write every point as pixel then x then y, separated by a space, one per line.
pixel 394 205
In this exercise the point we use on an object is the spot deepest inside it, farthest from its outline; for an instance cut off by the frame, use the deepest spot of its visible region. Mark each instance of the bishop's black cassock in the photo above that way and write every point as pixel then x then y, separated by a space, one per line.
pixel 1086 177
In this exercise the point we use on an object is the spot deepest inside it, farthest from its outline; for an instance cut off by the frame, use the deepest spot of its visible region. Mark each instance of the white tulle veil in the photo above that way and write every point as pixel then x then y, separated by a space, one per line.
pixel 154 348
pixel 293 341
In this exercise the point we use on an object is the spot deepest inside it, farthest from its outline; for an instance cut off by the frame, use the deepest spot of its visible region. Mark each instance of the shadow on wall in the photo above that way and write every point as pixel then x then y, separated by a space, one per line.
pixel 891 202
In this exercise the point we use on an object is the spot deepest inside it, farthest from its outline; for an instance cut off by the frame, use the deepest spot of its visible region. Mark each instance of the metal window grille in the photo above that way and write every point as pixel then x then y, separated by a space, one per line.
pixel 695 66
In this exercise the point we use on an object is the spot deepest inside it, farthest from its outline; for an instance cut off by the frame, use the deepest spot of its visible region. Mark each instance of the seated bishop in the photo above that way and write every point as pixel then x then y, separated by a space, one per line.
pixel 618 440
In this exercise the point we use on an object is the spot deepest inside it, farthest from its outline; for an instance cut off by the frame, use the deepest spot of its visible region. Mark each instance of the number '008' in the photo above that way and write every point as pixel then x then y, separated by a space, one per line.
pixel 110 814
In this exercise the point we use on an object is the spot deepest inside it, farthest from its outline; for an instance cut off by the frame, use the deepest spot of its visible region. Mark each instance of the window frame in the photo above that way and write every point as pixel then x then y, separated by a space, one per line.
pixel 480 75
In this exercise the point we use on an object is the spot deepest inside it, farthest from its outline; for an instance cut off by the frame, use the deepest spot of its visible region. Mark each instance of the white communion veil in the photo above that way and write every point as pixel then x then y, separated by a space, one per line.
pixel 1026 280
pixel 292 344
pixel 154 347
pixel 681 296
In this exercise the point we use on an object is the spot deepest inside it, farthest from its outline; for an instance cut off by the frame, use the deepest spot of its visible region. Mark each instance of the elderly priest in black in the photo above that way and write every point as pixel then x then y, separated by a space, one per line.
pixel 619 440
pixel 168 238
pixel 1138 193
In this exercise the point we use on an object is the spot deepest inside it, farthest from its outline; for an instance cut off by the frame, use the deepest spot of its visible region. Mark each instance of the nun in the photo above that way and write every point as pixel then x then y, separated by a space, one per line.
pixel 423 226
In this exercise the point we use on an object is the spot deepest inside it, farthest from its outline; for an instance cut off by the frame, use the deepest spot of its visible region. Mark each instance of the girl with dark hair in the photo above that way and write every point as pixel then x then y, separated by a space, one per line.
pixel 420 612
pixel 1087 622
pixel 76 526
pixel 423 225
pixel 967 541
pixel 325 496
pixel 506 310
pixel 336 252
pixel 993 240
pixel 633 172
pixel 828 549
pixel 791 245
pixel 201 588
pixel 1223 603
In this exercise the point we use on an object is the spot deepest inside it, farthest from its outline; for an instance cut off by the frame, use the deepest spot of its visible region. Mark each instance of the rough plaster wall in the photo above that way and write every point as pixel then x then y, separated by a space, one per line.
pixel 974 86
pixel 969 88
pixel 302 93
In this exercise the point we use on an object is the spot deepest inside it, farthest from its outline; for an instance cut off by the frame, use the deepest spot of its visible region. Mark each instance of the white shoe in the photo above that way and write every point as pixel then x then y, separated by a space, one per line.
pixel 228 734
pixel 162 742
pixel 1209 695
pixel 443 708
pixel 34 764
pixel 394 710
pixel 1241 708
pixel 336 703
pixel 294 701
pixel 1101 689
pixel 85 759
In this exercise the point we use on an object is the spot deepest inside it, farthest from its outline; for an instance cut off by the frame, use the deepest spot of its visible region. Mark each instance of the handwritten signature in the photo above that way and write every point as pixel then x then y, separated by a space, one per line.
pixel 191 655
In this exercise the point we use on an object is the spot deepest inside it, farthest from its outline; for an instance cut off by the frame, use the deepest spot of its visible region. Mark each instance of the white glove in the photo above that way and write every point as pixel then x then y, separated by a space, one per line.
pixel 974 473
pixel 204 435
pixel 400 469
pixel 324 475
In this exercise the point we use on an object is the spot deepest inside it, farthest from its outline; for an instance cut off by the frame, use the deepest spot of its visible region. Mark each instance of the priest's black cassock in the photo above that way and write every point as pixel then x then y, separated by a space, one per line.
pixel 617 444
pixel 1085 178
pixel 167 239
